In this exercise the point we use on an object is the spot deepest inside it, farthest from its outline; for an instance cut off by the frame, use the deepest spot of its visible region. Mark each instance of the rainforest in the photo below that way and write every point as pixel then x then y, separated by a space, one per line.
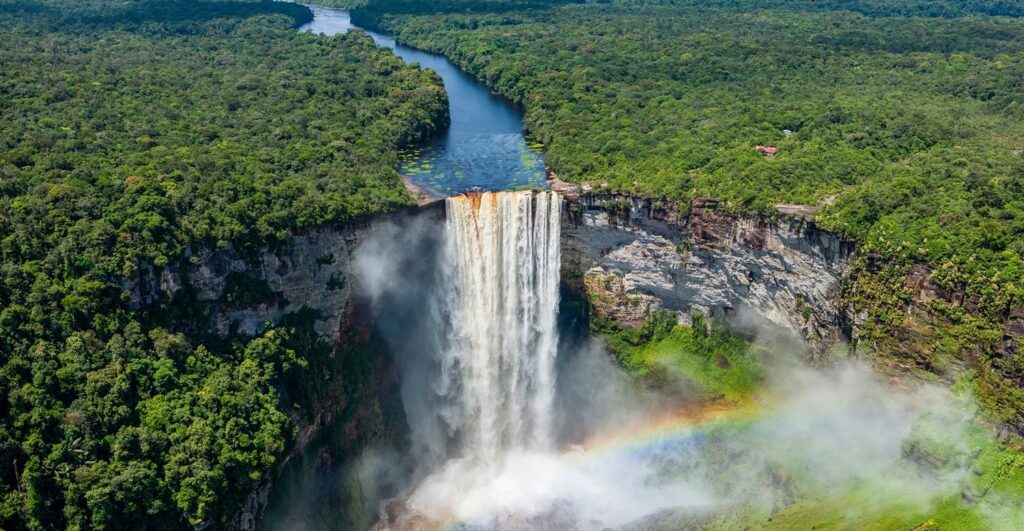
pixel 511 264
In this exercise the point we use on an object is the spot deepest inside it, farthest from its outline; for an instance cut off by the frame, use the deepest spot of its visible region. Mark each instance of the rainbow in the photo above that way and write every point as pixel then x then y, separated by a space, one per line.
pixel 663 433
pixel 674 425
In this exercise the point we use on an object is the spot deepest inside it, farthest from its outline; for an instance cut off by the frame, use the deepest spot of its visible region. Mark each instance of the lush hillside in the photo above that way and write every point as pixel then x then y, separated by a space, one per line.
pixel 901 120
pixel 128 132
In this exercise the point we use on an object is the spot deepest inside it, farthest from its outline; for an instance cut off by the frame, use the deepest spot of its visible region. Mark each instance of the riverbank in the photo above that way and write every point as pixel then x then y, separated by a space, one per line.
pixel 421 195
pixel 480 147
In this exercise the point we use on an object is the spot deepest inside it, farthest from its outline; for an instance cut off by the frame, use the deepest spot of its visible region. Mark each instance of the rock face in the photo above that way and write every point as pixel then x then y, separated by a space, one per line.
pixel 243 293
pixel 632 257
pixel 629 257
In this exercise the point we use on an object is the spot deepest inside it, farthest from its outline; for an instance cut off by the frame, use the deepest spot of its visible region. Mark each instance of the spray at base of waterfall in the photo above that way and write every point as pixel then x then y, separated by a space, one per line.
pixel 470 382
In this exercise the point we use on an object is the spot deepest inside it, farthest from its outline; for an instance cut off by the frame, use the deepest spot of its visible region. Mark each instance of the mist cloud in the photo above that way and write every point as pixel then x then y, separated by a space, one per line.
pixel 819 432
pixel 631 458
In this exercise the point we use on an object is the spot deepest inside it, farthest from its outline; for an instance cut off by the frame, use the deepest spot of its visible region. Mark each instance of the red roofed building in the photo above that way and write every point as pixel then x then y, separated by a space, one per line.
pixel 767 150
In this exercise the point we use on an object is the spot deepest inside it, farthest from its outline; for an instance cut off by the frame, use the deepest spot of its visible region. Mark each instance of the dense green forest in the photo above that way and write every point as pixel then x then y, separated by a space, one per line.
pixel 133 131
pixel 130 131
pixel 901 120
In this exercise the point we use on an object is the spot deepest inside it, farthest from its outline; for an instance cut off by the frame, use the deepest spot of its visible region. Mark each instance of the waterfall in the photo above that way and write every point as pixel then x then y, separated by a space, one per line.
pixel 502 264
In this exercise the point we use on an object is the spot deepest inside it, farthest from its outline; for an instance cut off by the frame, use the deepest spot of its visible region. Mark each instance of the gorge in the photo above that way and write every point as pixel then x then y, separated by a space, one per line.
pixel 493 401
pixel 328 271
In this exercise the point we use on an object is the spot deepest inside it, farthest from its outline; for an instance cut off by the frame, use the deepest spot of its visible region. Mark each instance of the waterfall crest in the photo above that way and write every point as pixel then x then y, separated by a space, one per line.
pixel 502 262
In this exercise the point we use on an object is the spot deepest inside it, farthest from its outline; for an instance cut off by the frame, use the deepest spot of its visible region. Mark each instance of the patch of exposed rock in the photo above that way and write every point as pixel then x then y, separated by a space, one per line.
pixel 632 257
pixel 310 271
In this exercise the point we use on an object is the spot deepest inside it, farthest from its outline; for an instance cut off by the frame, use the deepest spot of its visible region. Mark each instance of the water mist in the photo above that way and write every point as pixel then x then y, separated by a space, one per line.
pixel 508 433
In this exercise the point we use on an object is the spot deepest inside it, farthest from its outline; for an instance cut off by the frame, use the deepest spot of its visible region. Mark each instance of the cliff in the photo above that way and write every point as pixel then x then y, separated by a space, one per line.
pixel 243 293
pixel 308 278
pixel 634 256
pixel 627 256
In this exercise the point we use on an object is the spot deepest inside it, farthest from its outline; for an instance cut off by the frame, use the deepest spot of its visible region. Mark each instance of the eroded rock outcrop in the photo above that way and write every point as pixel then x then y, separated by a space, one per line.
pixel 632 257
pixel 243 293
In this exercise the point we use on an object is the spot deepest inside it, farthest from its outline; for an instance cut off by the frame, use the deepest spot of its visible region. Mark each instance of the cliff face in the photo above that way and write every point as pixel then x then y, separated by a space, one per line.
pixel 309 276
pixel 632 257
pixel 243 294
pixel 311 271
pixel 629 257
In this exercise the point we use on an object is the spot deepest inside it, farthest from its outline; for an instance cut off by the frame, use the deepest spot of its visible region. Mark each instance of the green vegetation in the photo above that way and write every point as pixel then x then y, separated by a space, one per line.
pixel 704 358
pixel 872 507
pixel 900 119
pixel 347 493
pixel 988 497
pixel 130 132
pixel 952 472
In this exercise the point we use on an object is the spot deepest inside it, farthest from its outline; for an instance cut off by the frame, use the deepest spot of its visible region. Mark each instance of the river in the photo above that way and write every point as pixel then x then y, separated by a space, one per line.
pixel 484 148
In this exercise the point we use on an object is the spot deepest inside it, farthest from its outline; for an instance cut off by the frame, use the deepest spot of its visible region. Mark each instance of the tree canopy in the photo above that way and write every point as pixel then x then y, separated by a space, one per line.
pixel 131 131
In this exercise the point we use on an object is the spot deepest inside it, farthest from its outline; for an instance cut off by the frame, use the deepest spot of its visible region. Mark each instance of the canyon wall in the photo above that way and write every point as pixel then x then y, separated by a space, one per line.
pixel 628 257
pixel 244 292
pixel 310 276
pixel 632 256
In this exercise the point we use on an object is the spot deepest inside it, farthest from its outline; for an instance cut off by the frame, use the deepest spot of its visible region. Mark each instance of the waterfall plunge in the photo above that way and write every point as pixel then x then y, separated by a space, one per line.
pixel 491 389
pixel 502 263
